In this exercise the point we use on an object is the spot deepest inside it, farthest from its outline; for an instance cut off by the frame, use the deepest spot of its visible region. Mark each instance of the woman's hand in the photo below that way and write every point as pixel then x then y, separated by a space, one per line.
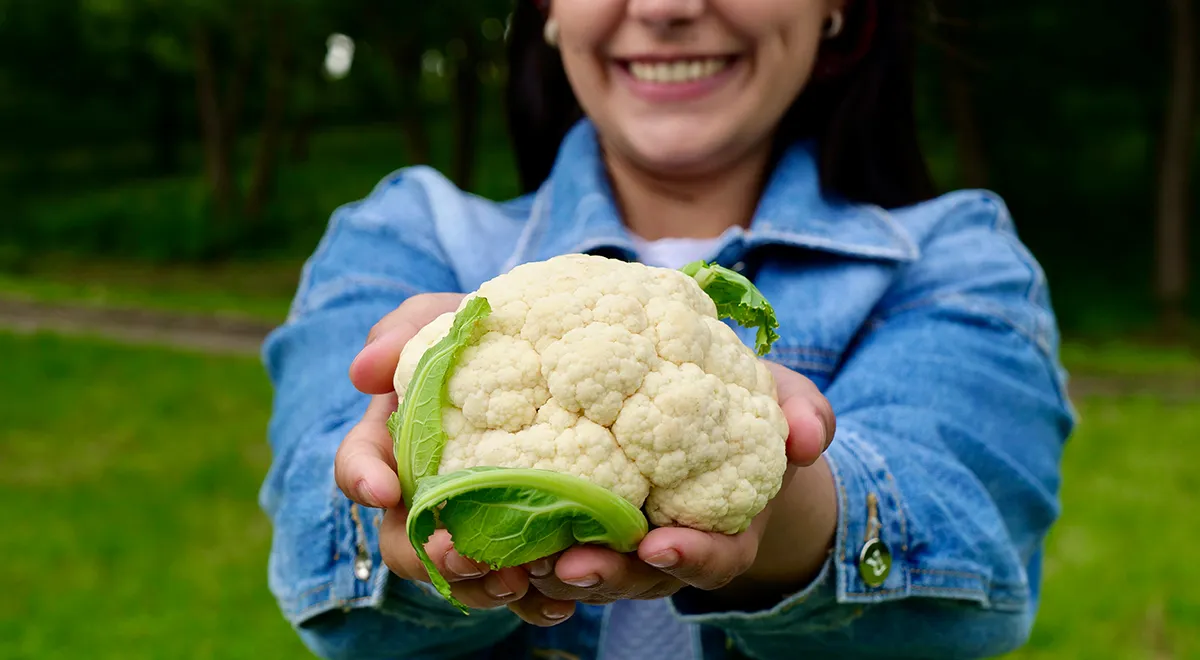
pixel 778 555
pixel 782 550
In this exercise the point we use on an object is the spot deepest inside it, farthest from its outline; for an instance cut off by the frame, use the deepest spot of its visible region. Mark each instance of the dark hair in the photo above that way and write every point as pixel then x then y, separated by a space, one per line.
pixel 863 117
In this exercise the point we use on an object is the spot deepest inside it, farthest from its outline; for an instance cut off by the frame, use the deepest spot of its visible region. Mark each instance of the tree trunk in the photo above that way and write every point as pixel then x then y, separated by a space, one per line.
pixel 279 63
pixel 1174 171
pixel 406 63
pixel 214 133
pixel 960 105
pixel 239 81
pixel 968 140
pixel 400 43
pixel 466 101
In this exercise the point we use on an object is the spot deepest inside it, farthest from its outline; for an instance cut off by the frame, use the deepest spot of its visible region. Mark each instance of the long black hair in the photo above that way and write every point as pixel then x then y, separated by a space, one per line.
pixel 863 116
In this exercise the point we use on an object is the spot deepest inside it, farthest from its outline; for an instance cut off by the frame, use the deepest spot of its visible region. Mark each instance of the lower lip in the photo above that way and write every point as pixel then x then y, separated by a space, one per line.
pixel 677 91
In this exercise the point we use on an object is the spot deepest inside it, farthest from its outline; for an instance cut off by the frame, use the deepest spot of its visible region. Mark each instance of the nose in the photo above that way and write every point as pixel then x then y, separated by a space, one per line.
pixel 665 14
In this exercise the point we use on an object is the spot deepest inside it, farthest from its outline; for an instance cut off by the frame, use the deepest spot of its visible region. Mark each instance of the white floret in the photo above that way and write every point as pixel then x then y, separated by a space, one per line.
pixel 620 374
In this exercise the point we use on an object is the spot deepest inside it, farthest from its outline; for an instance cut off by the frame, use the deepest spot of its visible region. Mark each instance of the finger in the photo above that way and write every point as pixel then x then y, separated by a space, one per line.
pixel 701 559
pixel 496 589
pixel 540 610
pixel 810 417
pixel 401 558
pixel 374 367
pixel 592 574
pixel 471 582
pixel 364 466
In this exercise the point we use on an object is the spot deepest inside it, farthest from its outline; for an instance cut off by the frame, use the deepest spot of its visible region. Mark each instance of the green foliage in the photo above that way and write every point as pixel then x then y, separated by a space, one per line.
pixel 100 140
pixel 131 529
pixel 737 298
pixel 510 516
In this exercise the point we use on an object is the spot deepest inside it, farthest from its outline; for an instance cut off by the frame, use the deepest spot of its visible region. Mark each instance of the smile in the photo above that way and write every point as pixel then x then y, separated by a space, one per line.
pixel 678 71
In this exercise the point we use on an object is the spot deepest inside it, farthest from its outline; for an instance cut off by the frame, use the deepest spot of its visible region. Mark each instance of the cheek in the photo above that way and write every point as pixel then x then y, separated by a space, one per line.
pixel 585 26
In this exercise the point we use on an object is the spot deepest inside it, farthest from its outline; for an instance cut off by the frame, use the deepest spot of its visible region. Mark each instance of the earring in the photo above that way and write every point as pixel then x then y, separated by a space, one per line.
pixel 550 33
pixel 836 21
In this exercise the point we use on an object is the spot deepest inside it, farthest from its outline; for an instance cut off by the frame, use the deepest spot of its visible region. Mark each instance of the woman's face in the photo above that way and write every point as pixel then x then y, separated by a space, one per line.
pixel 681 87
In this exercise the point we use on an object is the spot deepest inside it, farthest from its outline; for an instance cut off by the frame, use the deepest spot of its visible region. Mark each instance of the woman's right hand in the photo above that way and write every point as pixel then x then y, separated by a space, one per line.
pixel 365 467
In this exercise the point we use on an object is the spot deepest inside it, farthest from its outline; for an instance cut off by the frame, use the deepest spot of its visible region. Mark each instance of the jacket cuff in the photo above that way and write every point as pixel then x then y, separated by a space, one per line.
pixel 870 516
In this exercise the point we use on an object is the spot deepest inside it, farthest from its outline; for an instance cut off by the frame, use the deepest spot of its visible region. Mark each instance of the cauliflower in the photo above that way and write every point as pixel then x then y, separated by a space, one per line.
pixel 565 397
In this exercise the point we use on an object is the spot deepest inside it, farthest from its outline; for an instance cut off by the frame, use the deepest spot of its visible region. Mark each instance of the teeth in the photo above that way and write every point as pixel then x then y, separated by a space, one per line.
pixel 677 72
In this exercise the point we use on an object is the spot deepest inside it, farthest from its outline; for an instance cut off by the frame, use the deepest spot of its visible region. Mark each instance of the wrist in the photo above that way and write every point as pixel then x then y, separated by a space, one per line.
pixel 796 540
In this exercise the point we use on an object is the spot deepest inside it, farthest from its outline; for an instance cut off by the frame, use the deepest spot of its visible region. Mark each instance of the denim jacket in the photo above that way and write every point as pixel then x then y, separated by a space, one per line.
pixel 929 328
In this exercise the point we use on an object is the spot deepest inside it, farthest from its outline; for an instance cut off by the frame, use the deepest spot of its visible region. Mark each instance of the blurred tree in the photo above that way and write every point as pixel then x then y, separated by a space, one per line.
pixel 1177 152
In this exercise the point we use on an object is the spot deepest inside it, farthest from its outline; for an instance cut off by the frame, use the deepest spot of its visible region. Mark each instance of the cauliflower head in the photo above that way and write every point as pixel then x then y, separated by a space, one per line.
pixel 620 374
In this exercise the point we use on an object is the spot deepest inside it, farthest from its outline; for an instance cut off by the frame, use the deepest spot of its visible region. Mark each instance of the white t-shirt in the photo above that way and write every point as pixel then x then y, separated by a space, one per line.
pixel 674 252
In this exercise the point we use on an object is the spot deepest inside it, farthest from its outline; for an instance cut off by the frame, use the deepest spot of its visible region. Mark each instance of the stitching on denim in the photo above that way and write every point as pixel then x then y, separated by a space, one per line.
pixel 890 485
pixel 807 350
pixel 938 571
pixel 308 592
pixel 895 488
pixel 810 366
pixel 953 591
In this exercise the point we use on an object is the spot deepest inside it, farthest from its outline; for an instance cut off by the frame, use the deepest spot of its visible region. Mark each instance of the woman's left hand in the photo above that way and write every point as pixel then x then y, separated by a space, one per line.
pixel 768 556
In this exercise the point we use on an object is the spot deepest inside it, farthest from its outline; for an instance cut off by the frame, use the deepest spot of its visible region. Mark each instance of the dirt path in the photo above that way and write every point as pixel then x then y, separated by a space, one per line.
pixel 243 337
pixel 208 333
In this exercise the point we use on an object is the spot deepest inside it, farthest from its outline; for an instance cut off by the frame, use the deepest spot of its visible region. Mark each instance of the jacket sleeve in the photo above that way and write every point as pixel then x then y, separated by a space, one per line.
pixel 951 421
pixel 324 567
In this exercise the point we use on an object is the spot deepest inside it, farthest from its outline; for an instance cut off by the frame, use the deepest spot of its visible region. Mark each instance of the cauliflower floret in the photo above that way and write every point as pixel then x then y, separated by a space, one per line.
pixel 620 374
pixel 559 440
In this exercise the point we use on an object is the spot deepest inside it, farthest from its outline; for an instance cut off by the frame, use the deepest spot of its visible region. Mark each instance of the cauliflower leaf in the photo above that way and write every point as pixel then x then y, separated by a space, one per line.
pixel 512 516
pixel 416 427
pixel 737 298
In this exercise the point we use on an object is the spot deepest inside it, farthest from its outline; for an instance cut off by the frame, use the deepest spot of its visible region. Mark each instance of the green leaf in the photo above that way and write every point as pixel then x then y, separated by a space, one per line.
pixel 512 516
pixel 737 298
pixel 416 427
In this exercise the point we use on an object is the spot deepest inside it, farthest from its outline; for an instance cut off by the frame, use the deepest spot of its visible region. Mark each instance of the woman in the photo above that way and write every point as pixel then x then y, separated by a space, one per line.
pixel 773 136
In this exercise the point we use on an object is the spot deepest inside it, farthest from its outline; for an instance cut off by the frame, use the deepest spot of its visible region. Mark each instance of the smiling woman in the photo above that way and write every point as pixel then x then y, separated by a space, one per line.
pixel 921 406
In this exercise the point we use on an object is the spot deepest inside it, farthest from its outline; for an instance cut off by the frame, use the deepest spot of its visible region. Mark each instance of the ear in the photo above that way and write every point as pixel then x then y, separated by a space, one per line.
pixel 846 46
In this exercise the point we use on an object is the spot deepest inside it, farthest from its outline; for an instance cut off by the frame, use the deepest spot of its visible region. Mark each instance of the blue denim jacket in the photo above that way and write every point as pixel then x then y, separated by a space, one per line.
pixel 929 328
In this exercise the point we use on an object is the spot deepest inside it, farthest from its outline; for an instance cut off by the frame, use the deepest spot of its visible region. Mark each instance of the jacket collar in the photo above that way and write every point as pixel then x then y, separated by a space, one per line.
pixel 574 212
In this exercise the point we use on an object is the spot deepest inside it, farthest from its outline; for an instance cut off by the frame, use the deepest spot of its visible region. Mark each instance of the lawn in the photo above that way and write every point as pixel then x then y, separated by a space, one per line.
pixel 128 478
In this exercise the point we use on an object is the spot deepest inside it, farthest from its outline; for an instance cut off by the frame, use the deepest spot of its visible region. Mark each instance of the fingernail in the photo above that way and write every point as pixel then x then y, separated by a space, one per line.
pixel 461 566
pixel 584 582
pixel 664 559
pixel 541 568
pixel 496 588
pixel 554 613
pixel 365 494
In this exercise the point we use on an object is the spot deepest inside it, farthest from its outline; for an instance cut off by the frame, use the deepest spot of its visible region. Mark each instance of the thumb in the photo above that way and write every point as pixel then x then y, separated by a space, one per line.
pixel 809 415
pixel 365 468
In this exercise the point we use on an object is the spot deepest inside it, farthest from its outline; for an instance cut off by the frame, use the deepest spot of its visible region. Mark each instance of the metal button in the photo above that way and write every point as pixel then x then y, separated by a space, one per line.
pixel 362 567
pixel 874 562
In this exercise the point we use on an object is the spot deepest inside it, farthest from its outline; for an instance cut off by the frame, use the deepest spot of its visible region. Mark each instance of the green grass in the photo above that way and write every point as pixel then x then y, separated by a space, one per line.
pixel 1129 358
pixel 128 478
pixel 1121 581
pixel 259 290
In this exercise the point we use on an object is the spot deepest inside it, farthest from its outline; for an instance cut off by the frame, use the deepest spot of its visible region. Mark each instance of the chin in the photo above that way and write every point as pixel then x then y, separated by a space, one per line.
pixel 684 154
